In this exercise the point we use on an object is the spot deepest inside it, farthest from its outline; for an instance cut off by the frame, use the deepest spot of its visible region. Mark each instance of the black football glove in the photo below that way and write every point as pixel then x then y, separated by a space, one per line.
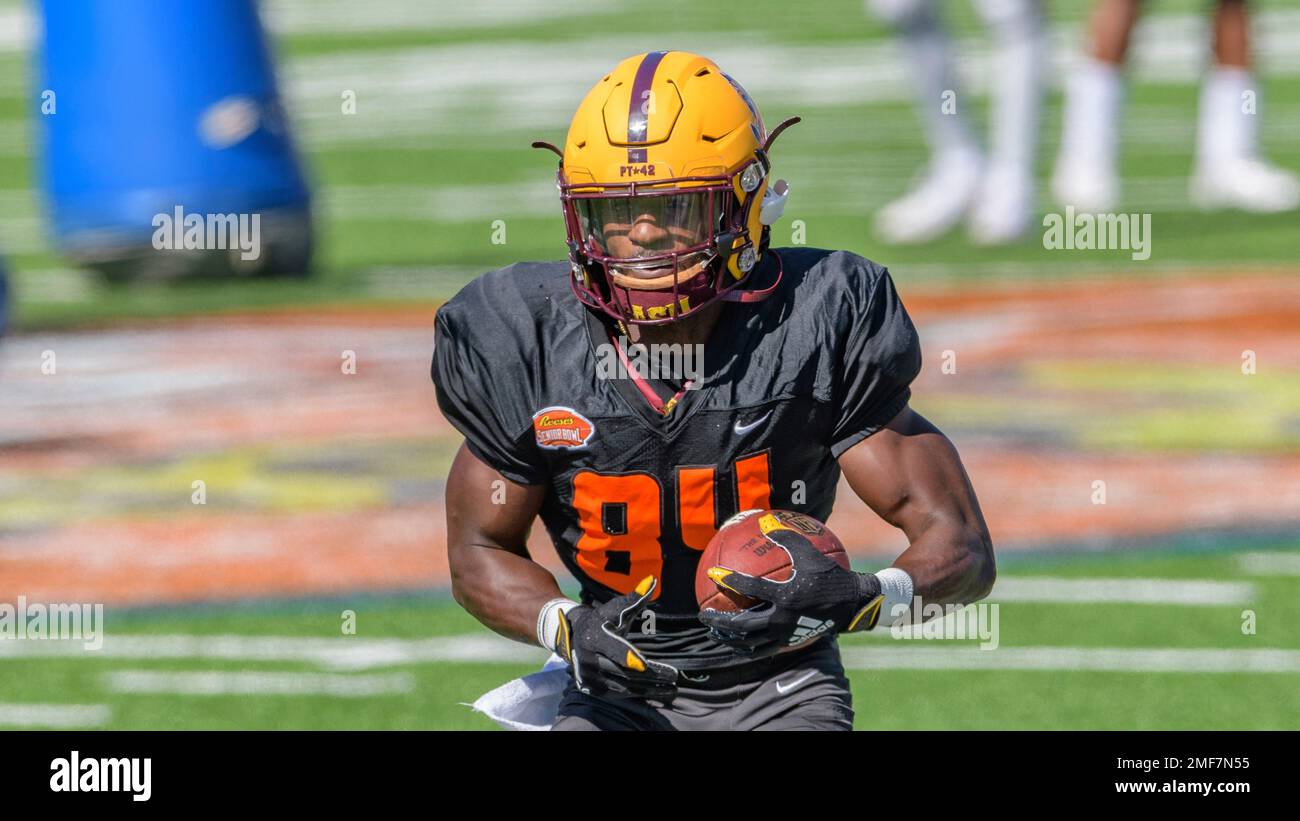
pixel 604 662
pixel 819 598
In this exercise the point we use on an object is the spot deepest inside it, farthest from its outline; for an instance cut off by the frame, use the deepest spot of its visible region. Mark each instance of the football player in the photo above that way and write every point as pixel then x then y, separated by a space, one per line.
pixel 666 189
pixel 1230 171
pixel 4 298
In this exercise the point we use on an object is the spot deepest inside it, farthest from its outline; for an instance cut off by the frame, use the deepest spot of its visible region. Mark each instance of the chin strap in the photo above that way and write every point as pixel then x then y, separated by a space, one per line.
pixel 742 295
pixel 660 406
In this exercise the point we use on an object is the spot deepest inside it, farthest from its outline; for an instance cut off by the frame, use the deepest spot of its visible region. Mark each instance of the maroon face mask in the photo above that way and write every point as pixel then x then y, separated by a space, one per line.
pixel 680 269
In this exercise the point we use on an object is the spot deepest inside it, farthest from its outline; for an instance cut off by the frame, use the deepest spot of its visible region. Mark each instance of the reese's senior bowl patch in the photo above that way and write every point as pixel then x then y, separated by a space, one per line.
pixel 561 427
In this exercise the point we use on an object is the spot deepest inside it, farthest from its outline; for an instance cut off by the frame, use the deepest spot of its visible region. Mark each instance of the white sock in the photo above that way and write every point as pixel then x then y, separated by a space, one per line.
pixel 927 48
pixel 1014 85
pixel 1090 128
pixel 1225 132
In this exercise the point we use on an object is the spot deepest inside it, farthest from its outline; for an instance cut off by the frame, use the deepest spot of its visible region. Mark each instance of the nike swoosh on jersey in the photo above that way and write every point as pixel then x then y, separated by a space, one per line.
pixel 742 429
pixel 785 688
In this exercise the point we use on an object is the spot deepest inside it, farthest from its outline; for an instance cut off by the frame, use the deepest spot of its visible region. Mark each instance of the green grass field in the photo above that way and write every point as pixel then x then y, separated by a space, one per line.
pixel 409 186
pixel 885 698
pixel 407 192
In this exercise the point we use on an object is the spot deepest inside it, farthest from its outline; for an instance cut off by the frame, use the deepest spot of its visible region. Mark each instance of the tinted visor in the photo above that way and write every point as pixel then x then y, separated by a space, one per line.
pixel 686 220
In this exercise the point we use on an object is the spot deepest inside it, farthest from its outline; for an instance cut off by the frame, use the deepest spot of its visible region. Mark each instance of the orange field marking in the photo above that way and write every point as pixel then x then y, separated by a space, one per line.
pixel 322 482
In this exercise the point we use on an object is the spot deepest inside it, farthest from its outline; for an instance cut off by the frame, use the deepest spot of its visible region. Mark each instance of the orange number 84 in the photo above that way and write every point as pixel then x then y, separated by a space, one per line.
pixel 621 521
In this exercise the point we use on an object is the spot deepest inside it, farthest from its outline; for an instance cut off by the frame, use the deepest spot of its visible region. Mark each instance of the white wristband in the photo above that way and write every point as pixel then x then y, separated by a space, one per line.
pixel 548 620
pixel 896 586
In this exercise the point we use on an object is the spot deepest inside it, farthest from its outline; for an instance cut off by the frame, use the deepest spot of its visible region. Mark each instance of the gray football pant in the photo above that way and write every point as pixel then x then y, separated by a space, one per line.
pixel 806 690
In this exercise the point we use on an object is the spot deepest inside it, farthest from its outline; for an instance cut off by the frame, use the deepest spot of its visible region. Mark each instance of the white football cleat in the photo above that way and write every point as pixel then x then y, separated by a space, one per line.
pixel 1085 186
pixel 1002 209
pixel 1248 184
pixel 936 204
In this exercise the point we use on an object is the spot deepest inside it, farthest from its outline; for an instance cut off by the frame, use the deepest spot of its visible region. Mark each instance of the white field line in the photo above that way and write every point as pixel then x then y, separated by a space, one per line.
pixel 1121 591
pixel 525 76
pixel 50 716
pixel 19 27
pixel 485 85
pixel 244 682
pixel 354 653
pixel 824 195
pixel 905 655
pixel 22 236
pixel 457 204
pixel 1148 130
pixel 334 653
pixel 475 88
pixel 1269 564
pixel 913 656
pixel 349 16
pixel 481 204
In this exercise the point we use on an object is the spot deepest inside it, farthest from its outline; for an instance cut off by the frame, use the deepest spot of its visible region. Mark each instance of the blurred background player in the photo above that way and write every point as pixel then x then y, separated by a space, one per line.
pixel 4 298
pixel 993 192
pixel 1229 171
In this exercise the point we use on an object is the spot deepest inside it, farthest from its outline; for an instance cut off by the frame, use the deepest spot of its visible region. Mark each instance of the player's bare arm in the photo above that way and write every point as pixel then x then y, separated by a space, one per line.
pixel 497 582
pixel 492 575
pixel 910 474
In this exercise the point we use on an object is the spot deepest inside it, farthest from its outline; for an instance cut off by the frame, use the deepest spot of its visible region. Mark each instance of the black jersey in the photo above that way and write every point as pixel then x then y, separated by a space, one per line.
pixel 788 384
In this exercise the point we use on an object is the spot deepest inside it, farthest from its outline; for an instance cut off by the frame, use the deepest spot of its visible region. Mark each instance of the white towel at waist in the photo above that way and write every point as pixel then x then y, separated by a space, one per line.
pixel 528 703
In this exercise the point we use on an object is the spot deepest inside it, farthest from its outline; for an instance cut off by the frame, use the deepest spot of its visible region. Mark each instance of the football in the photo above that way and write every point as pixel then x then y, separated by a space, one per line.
pixel 741 544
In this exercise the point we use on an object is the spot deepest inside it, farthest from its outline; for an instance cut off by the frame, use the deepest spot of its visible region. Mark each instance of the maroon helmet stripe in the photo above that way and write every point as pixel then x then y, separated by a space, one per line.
pixel 637 125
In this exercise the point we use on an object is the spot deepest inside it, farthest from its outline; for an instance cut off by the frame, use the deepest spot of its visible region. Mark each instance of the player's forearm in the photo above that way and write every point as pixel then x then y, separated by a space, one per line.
pixel 950 563
pixel 503 590
pixel 911 475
